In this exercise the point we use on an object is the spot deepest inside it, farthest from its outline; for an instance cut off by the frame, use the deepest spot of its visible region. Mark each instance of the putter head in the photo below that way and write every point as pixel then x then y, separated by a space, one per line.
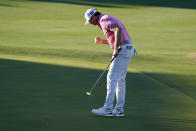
pixel 89 93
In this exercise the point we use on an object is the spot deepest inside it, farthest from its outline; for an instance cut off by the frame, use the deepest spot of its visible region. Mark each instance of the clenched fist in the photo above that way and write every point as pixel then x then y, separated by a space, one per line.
pixel 97 40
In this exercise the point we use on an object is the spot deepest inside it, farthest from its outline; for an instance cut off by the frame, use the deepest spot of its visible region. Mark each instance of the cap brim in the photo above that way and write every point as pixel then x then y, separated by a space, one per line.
pixel 87 22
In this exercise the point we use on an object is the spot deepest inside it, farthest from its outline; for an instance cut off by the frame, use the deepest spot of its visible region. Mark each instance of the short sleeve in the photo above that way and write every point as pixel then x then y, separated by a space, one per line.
pixel 107 25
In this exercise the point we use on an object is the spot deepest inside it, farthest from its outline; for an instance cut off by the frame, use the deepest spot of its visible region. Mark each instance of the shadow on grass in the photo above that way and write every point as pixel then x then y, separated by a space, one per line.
pixel 139 118
pixel 6 5
pixel 34 95
pixel 189 4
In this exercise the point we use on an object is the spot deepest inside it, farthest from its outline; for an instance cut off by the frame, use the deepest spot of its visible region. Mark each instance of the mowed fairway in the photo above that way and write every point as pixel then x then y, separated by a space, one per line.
pixel 48 60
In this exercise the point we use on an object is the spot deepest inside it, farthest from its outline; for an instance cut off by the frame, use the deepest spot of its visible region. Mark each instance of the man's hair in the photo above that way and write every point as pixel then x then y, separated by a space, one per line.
pixel 97 13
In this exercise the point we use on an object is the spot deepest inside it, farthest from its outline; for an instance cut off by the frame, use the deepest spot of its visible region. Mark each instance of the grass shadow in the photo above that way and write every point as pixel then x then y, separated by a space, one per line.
pixel 43 96
pixel 6 5
pixel 189 4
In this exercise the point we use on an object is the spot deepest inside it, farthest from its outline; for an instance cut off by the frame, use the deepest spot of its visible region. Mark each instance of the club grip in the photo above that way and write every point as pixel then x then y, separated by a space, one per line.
pixel 113 57
pixel 119 49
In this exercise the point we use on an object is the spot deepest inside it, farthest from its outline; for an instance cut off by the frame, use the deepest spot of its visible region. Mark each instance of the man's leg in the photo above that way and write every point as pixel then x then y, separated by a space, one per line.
pixel 114 74
pixel 120 89
pixel 112 78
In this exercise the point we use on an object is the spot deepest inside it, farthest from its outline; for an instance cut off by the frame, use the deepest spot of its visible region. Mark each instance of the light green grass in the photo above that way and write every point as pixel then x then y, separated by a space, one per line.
pixel 48 60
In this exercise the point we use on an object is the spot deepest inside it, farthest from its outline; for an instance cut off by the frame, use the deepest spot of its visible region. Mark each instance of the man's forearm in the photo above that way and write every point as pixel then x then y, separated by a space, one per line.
pixel 102 41
pixel 117 37
pixel 117 32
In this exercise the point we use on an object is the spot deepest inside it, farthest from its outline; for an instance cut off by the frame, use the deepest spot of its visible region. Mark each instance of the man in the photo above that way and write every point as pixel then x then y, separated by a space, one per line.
pixel 117 37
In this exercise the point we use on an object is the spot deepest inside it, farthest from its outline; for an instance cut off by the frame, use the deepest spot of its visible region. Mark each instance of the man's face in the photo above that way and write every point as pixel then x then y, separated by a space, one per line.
pixel 93 20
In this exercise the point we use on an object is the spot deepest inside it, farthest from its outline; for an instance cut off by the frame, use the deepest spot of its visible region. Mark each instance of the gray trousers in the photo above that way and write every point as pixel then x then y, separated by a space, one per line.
pixel 116 77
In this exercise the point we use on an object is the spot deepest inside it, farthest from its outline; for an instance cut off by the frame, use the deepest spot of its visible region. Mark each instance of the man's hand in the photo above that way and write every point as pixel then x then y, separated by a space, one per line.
pixel 115 53
pixel 97 40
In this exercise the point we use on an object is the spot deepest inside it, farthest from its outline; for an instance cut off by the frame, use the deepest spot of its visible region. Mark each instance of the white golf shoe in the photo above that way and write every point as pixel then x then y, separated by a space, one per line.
pixel 102 112
pixel 117 112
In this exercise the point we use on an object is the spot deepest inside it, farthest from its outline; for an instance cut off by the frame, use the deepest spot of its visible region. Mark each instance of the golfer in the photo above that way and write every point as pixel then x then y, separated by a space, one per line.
pixel 117 37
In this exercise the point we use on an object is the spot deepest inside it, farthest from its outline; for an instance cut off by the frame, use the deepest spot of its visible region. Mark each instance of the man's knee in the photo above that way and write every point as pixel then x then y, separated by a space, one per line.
pixel 112 77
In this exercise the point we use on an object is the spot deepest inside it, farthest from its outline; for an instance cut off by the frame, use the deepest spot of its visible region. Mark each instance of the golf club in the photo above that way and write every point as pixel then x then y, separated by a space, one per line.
pixel 90 91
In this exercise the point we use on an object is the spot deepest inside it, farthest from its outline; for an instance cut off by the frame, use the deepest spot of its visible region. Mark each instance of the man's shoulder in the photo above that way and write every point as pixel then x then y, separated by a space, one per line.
pixel 106 22
pixel 105 18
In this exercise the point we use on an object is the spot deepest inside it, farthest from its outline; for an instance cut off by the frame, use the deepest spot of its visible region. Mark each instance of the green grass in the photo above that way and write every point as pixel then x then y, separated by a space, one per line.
pixel 48 60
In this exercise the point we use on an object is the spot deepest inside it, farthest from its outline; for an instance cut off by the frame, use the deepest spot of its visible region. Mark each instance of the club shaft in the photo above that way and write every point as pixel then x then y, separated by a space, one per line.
pixel 101 76
pixel 102 73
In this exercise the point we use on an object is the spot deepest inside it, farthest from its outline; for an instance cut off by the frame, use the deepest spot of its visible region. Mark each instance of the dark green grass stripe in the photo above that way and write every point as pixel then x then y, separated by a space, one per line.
pixel 166 82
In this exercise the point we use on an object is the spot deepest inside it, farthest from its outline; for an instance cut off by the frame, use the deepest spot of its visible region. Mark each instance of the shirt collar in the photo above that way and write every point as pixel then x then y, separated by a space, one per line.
pixel 99 20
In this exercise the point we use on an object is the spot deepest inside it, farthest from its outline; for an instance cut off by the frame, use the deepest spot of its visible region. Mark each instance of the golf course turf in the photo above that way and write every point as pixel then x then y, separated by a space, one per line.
pixel 48 60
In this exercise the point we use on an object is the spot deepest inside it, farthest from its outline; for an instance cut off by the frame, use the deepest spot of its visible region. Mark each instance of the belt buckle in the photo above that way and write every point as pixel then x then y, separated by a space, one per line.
pixel 129 47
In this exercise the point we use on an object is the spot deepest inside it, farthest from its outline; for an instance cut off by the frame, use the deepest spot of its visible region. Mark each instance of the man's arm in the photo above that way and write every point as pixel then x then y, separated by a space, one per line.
pixel 98 40
pixel 118 32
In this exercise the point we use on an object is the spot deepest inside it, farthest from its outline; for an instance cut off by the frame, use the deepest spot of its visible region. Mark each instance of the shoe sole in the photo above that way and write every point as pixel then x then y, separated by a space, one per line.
pixel 102 114
pixel 108 115
pixel 119 115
